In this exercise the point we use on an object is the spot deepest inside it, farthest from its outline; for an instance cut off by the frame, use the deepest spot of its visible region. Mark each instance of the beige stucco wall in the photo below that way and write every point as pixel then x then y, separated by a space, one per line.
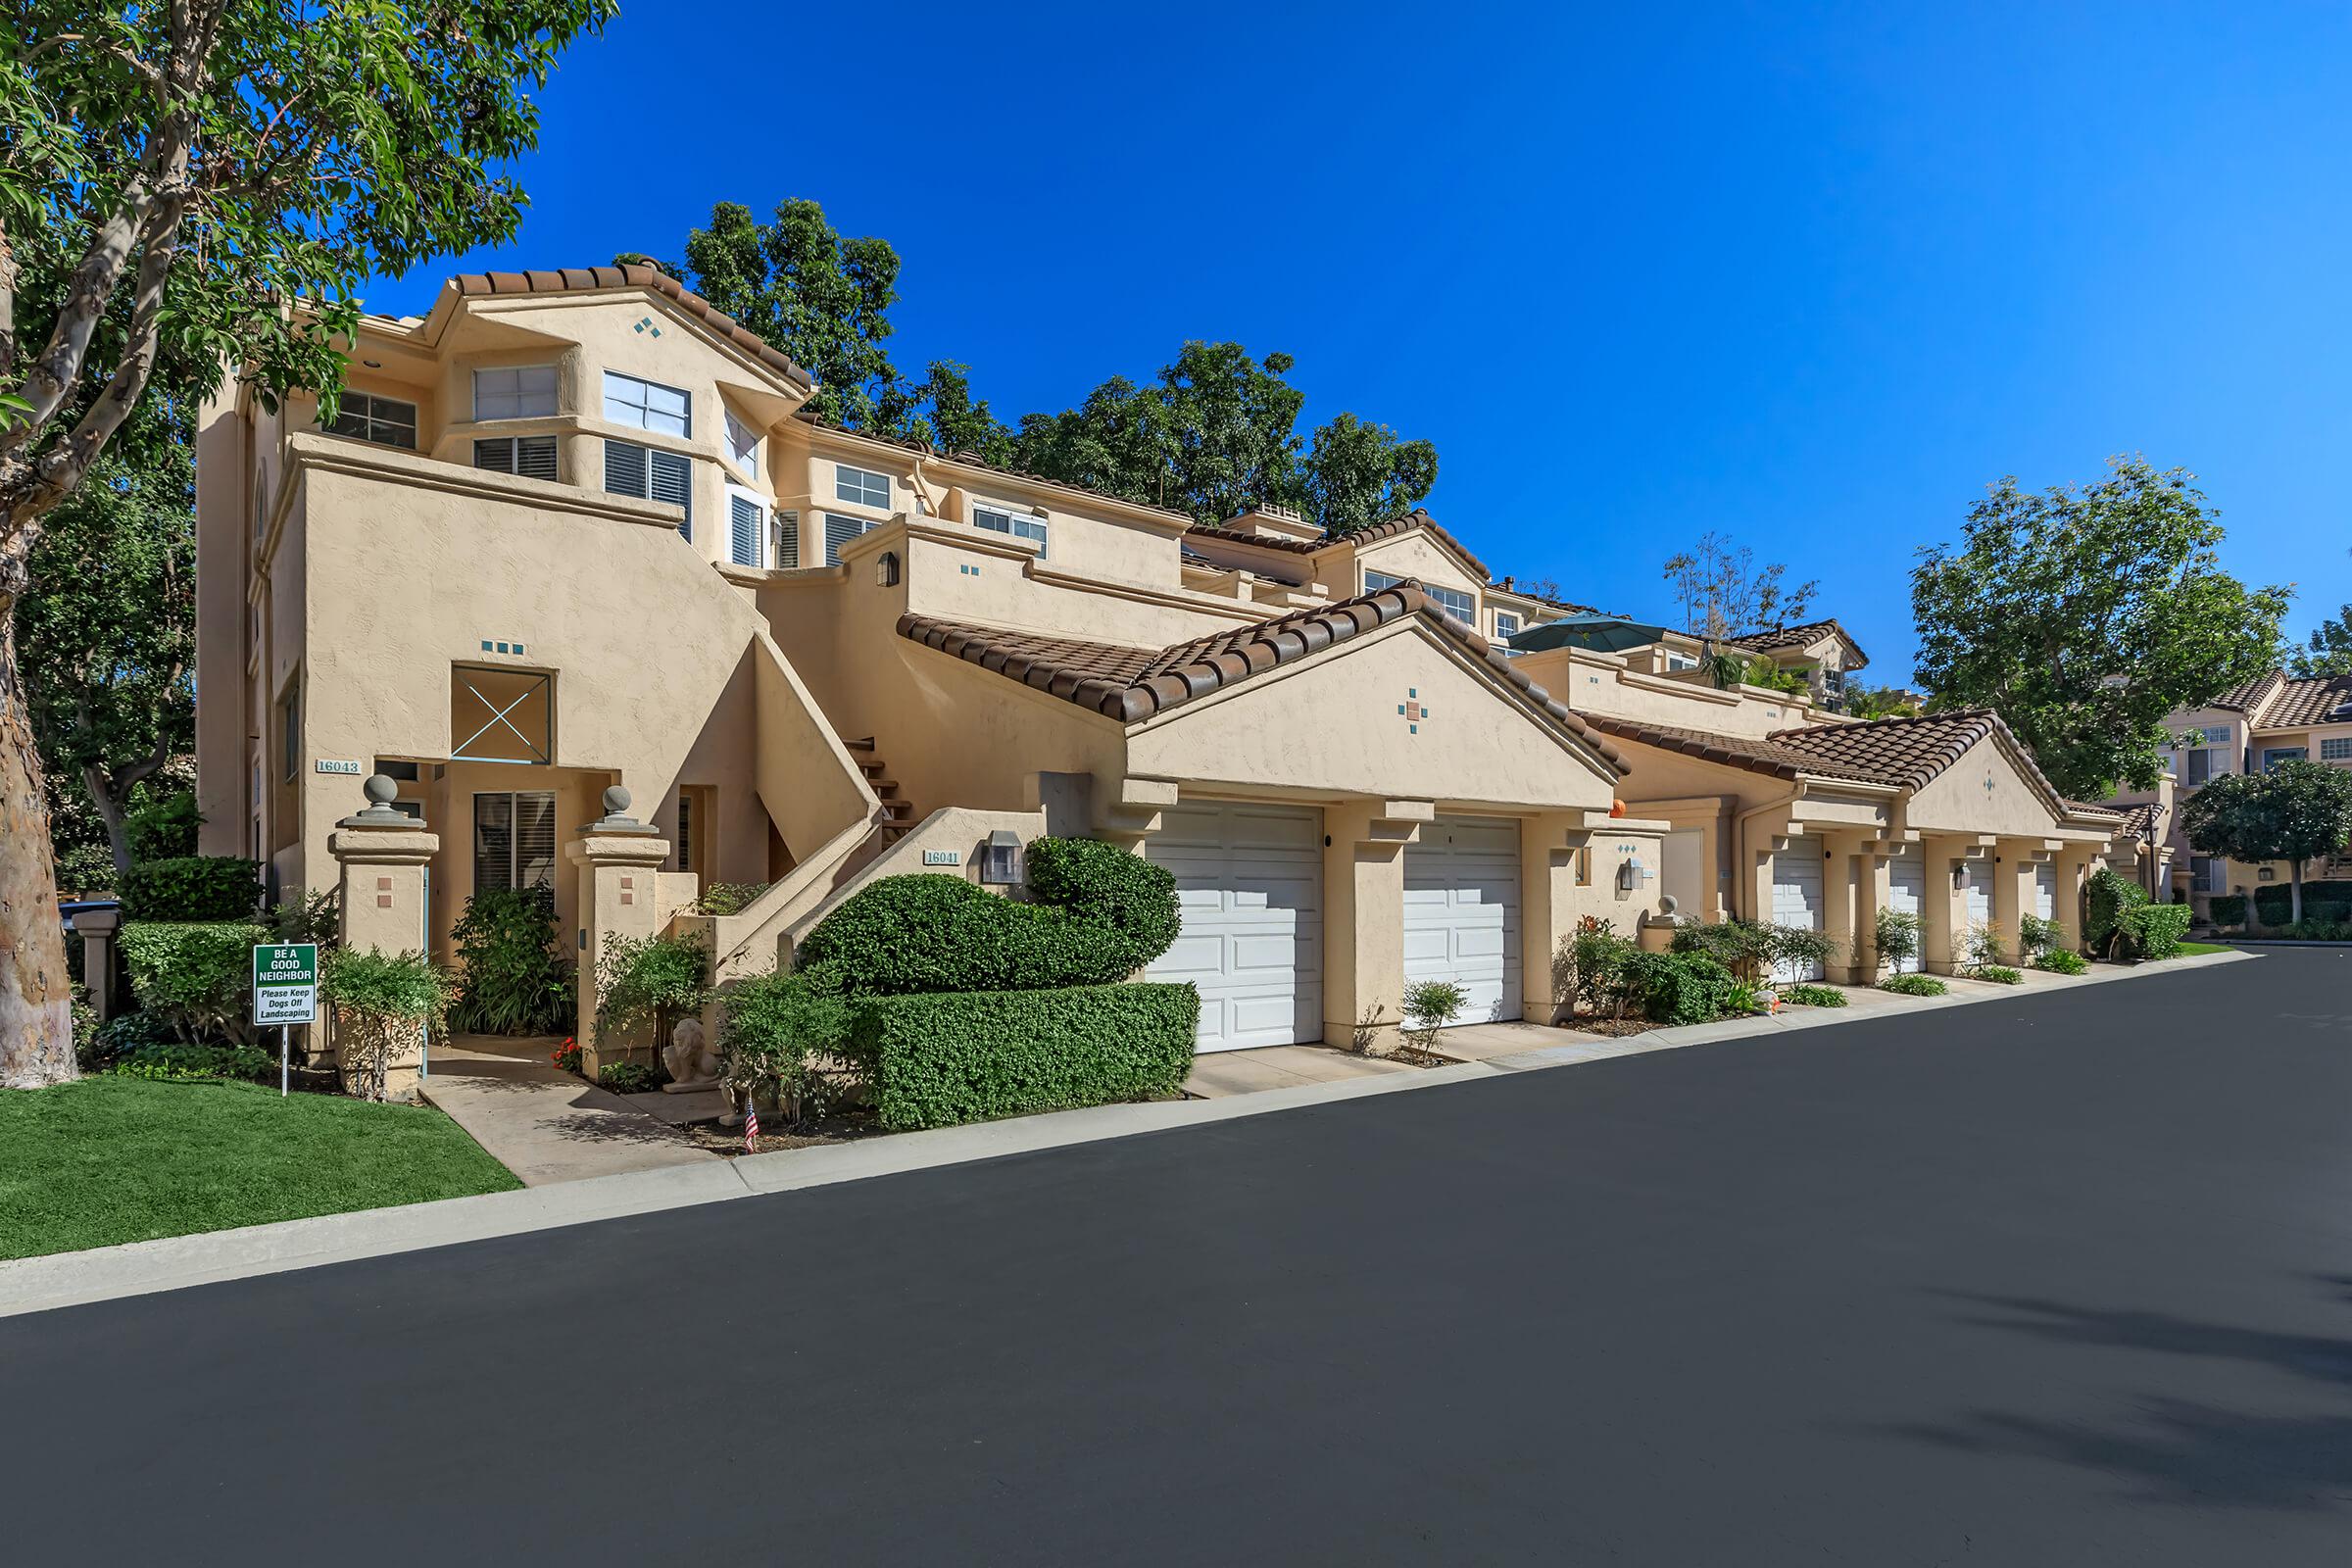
pixel 1984 792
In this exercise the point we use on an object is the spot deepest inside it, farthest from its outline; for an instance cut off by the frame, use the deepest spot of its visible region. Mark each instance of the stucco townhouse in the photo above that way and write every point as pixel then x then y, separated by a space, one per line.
pixel 575 532
pixel 2253 727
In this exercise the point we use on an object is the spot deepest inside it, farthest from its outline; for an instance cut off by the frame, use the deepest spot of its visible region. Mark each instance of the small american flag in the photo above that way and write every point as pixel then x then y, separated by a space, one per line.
pixel 751 1125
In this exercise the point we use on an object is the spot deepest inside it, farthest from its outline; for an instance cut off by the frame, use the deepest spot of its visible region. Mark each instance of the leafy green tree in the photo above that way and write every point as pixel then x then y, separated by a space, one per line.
pixel 1359 474
pixel 1880 702
pixel 2294 812
pixel 196 184
pixel 2083 615
pixel 2330 650
pixel 107 627
pixel 947 415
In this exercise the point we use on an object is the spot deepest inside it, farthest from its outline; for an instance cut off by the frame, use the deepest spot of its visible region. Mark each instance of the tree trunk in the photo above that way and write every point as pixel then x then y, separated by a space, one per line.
pixel 2294 892
pixel 36 1019
pixel 115 814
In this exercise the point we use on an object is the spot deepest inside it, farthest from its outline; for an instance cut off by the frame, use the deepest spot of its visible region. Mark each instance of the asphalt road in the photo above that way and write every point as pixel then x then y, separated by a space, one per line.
pixel 2066 1280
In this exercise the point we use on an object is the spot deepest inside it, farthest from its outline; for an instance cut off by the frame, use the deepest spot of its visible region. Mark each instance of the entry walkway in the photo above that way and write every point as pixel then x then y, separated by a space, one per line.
pixel 544 1124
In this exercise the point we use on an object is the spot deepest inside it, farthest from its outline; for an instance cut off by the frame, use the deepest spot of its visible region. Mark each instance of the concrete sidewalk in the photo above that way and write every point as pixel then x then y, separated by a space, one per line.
pixel 542 1123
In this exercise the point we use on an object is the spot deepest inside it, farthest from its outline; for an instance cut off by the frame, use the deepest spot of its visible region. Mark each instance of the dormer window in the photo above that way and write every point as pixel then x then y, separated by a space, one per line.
pixel 1019 524
pixel 514 392
pixel 1507 624
pixel 743 445
pixel 1460 606
pixel 648 405
pixel 861 487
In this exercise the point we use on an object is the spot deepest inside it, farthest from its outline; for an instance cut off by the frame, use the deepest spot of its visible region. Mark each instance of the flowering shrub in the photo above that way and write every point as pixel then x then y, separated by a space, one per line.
pixel 567 1057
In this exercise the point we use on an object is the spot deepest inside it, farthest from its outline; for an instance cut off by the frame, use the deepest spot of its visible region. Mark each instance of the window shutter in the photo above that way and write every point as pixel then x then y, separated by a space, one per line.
pixel 497 456
pixel 673 480
pixel 744 523
pixel 788 539
pixel 535 839
pixel 624 468
pixel 535 457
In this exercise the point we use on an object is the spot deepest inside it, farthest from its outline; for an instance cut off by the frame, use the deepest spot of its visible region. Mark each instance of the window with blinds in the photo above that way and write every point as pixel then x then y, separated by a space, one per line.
pixel 787 526
pixel 839 531
pixel 743 445
pixel 531 456
pixel 514 392
pixel 386 422
pixel 999 520
pixel 685 845
pixel 744 516
pixel 514 839
pixel 649 475
pixel 648 405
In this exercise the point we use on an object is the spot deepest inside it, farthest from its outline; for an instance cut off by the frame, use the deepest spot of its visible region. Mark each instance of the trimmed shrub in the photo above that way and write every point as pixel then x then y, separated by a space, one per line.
pixel 2323 900
pixel 628 1078
pixel 2036 935
pixel 2123 924
pixel 512 976
pixel 1107 886
pixel 919 934
pixel 384 1003
pixel 192 887
pixel 1814 995
pixel 643 981
pixel 1742 947
pixel 2228 909
pixel 174 1061
pixel 2000 975
pixel 1593 961
pixel 939 1060
pixel 196 976
pixel 2316 931
pixel 1678 987
pixel 2106 897
pixel 2153 930
pixel 2058 960
pixel 780 1035
pixel 1898 938
pixel 1429 1006
pixel 1915 985
pixel 729 897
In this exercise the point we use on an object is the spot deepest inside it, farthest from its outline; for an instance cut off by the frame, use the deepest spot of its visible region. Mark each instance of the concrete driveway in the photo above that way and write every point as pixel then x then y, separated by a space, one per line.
pixel 2064 1278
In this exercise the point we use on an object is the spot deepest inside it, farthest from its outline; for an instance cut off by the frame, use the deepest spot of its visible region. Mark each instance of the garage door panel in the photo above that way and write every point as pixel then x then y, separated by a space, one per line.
pixel 1907 891
pixel 1796 899
pixel 1249 898
pixel 2046 892
pixel 1461 913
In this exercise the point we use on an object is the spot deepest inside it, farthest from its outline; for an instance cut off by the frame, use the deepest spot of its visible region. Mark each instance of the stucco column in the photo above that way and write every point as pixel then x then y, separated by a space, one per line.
pixel 2012 893
pixel 382 856
pixel 619 859
pixel 1941 930
pixel 1846 862
pixel 1874 891
pixel 1363 919
pixel 1548 908
pixel 2074 869
pixel 97 928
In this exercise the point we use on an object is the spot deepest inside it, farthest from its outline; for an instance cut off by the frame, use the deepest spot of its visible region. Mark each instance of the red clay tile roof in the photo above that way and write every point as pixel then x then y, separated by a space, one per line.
pixel 1905 752
pixel 579 279
pixel 1132 684
pixel 2305 702
pixel 1418 517
pixel 1768 638
pixel 2241 697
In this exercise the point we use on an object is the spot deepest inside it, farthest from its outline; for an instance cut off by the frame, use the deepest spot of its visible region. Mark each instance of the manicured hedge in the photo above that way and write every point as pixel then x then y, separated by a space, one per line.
pixel 2325 901
pixel 940 1060
pixel 197 976
pixel 2229 908
pixel 194 887
pixel 1107 914
pixel 1678 987
pixel 2154 930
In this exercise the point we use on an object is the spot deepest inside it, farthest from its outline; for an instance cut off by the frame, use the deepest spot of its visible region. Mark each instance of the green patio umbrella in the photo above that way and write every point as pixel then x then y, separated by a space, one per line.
pixel 1604 634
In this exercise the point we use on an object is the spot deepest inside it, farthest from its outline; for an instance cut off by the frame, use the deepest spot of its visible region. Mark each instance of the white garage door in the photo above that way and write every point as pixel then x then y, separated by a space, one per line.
pixel 1980 894
pixel 1907 891
pixel 2046 892
pixel 1461 913
pixel 1249 891
pixel 1796 899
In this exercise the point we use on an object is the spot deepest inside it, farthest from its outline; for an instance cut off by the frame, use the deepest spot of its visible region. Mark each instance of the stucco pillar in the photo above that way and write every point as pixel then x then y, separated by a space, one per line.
pixel 1942 929
pixel 2012 874
pixel 1548 908
pixel 1363 919
pixel 97 928
pixel 620 861
pixel 2074 869
pixel 382 856
pixel 1848 874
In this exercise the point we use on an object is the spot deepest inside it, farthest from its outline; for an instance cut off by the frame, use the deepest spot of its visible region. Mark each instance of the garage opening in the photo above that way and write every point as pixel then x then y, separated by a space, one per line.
pixel 1796 900
pixel 1250 893
pixel 1461 913
pixel 1907 891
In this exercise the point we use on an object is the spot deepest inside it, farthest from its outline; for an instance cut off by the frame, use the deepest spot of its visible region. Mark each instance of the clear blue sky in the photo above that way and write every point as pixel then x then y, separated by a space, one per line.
pixel 1809 275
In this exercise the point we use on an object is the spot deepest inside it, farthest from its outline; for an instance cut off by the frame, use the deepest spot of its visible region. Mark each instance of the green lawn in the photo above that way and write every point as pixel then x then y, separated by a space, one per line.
pixel 2191 948
pixel 127 1160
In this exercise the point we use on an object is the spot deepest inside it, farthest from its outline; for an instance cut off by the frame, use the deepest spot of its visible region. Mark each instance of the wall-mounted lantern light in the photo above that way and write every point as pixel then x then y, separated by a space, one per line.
pixel 1960 876
pixel 886 569
pixel 2263 873
pixel 1000 860
pixel 1630 872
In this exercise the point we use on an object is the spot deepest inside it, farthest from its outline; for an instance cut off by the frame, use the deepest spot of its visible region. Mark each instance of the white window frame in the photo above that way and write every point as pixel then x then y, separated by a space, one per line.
pixel 2336 749
pixel 1467 614
pixel 738 497
pixel 850 485
pixel 743 444
pixel 377 417
pixel 1507 625
pixel 1680 660
pixel 649 457
pixel 627 401
pixel 521 402
pixel 1017 521
pixel 513 445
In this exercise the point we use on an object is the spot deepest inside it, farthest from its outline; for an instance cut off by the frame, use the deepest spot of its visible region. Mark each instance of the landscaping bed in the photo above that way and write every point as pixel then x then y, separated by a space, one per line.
pixel 115 1159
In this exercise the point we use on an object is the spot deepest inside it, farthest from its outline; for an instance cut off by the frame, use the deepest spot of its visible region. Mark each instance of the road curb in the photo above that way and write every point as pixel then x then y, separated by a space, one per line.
pixel 138 1269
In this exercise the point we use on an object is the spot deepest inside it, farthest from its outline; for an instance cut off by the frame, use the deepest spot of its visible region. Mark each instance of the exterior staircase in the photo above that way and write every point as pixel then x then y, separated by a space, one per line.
pixel 897 814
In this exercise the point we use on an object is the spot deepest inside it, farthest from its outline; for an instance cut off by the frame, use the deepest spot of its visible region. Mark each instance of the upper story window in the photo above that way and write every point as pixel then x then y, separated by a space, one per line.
pixel 2336 750
pixel 747 521
pixel 1507 624
pixel 514 392
pixel 743 445
pixel 2272 755
pixel 1460 606
pixel 386 422
pixel 860 487
pixel 1676 660
pixel 648 405
pixel 634 471
pixel 1019 524
pixel 531 456
pixel 840 530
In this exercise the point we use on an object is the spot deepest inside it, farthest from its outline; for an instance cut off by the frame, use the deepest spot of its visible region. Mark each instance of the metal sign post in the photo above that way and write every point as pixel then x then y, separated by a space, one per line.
pixel 286 993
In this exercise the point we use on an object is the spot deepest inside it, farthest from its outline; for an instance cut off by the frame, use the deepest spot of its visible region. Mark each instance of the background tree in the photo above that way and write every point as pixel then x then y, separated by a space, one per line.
pixel 1722 591
pixel 1880 701
pixel 1359 474
pixel 2294 812
pixel 2083 615
pixel 175 178
pixel 107 628
pixel 2330 650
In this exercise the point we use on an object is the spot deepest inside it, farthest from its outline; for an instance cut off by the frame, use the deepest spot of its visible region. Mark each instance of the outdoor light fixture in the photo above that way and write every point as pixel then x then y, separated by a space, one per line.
pixel 886 569
pixel 1000 860
pixel 1959 876
pixel 1629 875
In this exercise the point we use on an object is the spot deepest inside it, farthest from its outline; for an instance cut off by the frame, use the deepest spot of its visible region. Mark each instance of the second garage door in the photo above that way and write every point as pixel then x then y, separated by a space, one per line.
pixel 1796 899
pixel 2046 892
pixel 1461 913
pixel 1249 891
pixel 1907 892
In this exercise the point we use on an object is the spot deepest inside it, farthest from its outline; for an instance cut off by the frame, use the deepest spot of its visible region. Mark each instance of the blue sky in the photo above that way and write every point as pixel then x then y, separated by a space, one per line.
pixel 1811 276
